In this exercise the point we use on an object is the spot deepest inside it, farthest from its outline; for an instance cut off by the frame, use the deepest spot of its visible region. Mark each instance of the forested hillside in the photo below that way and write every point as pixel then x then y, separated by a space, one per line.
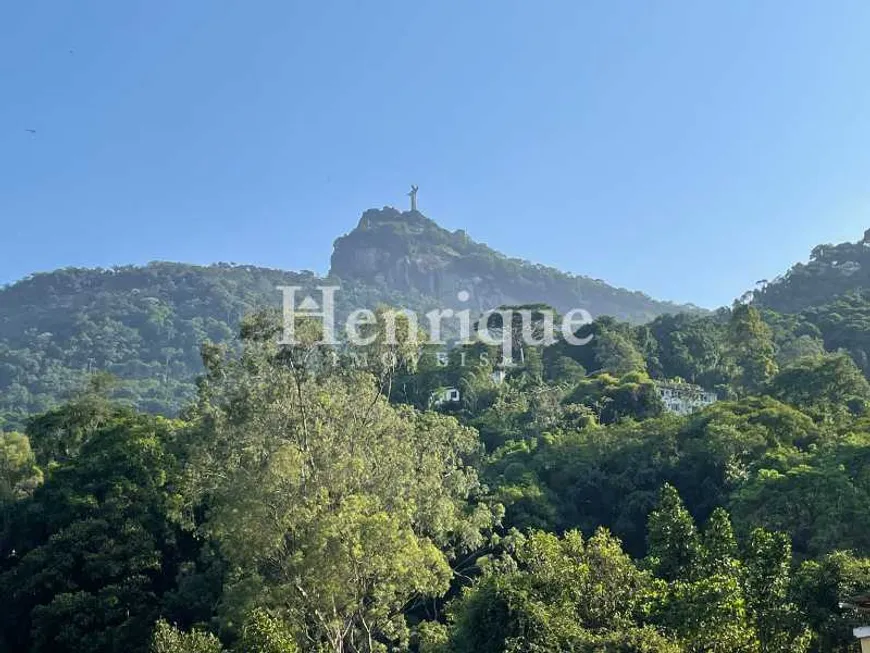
pixel 375 434
pixel 832 270
pixel 145 325
pixel 231 494
pixel 311 499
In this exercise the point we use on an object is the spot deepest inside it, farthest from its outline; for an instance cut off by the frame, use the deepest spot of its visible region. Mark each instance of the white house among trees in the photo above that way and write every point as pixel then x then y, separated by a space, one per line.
pixel 684 398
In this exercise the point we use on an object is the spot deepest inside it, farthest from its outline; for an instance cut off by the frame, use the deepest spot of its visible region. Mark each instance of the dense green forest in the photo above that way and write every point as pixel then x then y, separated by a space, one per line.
pixel 141 324
pixel 307 500
pixel 145 324
pixel 314 498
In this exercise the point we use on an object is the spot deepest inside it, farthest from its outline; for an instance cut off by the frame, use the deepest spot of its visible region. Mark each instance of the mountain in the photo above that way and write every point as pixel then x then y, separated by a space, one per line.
pixel 145 324
pixel 408 252
pixel 826 299
pixel 832 271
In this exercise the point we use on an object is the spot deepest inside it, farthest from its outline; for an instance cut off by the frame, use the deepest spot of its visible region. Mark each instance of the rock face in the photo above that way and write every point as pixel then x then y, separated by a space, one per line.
pixel 408 253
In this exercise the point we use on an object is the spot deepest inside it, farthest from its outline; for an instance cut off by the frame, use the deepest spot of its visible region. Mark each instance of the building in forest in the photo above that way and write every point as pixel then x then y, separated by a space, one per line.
pixel 444 396
pixel 684 398
pixel 860 605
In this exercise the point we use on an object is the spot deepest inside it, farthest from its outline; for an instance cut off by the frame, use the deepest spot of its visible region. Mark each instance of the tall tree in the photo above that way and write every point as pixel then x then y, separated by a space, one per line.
pixel 752 348
pixel 335 509
pixel 673 543
pixel 767 580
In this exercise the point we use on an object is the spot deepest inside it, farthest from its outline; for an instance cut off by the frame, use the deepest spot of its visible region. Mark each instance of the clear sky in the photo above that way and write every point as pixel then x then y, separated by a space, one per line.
pixel 686 149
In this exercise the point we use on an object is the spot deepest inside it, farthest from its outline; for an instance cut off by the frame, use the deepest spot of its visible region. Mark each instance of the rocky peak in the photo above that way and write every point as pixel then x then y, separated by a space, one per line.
pixel 407 252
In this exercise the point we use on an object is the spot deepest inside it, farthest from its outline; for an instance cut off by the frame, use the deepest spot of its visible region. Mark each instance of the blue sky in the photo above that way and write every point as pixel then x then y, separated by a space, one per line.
pixel 681 148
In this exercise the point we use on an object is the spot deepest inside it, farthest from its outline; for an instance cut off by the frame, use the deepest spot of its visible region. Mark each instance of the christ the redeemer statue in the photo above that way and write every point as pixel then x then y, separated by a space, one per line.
pixel 413 196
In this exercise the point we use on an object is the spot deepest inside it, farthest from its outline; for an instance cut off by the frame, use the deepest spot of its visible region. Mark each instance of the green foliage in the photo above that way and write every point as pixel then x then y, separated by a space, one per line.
pixel 718 544
pixel 844 324
pixel 616 354
pixel 334 508
pixel 632 396
pixel 19 474
pixel 263 633
pixel 611 476
pixel 313 501
pixel 752 349
pixel 717 600
pixel 89 557
pixel 673 544
pixel 557 594
pixel 688 347
pixel 831 271
pixel 142 324
pixel 767 565
pixel 819 586
pixel 145 324
pixel 708 614
pixel 822 384
pixel 169 639
pixel 819 501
